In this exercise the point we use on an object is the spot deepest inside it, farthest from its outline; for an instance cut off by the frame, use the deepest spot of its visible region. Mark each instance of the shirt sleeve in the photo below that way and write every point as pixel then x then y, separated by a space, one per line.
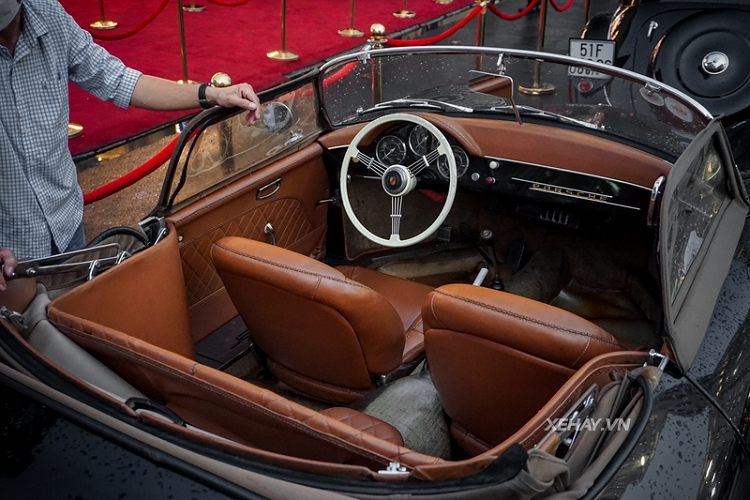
pixel 95 70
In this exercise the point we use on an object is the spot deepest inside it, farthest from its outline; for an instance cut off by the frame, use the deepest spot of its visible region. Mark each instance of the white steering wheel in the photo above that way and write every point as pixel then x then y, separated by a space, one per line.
pixel 398 180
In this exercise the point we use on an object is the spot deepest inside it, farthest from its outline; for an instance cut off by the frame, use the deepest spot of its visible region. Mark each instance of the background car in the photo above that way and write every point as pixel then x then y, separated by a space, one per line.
pixel 700 48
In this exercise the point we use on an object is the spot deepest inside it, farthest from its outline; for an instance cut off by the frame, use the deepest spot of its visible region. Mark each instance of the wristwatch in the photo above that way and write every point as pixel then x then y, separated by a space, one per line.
pixel 202 95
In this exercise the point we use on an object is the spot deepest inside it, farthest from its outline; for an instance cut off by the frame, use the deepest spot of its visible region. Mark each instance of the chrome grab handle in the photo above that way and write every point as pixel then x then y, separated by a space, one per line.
pixel 275 186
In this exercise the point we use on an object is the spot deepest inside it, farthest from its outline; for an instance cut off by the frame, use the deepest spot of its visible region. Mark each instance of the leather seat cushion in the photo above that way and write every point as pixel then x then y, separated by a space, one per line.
pixel 365 423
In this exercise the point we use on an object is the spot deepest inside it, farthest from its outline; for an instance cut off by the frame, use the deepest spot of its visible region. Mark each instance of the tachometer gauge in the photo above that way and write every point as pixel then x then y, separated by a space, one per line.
pixel 390 150
pixel 462 163
pixel 421 141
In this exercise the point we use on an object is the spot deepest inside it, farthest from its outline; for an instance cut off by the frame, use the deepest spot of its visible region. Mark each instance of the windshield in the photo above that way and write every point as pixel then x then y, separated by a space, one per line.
pixel 467 80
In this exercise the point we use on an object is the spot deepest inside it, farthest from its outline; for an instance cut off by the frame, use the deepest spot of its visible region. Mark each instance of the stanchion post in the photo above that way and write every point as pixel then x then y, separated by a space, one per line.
pixel 193 7
pixel 404 12
pixel 481 23
pixel 443 2
pixel 586 9
pixel 183 45
pixel 226 142
pixel 538 88
pixel 283 54
pixel 377 35
pixel 351 31
pixel 103 24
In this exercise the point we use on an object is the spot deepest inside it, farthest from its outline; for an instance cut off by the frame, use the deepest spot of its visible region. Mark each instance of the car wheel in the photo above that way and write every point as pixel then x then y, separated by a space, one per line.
pixel 707 56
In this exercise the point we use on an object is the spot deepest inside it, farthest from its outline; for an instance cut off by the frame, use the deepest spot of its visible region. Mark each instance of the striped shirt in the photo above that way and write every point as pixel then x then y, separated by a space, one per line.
pixel 40 199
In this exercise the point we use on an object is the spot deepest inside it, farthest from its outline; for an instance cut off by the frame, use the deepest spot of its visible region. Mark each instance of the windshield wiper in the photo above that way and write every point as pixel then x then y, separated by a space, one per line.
pixel 414 103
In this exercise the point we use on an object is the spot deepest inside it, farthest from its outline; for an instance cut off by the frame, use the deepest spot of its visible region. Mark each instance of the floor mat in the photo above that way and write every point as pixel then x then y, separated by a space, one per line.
pixel 412 406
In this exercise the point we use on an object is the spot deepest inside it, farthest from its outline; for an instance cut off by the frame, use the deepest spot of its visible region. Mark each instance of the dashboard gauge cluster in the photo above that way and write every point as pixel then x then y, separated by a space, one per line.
pixel 405 145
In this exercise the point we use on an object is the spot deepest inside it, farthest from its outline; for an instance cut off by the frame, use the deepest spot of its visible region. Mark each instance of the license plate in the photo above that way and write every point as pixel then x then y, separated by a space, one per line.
pixel 601 51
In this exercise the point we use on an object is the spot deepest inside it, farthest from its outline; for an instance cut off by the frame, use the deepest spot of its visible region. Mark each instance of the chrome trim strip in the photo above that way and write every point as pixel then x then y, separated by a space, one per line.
pixel 574 196
pixel 568 171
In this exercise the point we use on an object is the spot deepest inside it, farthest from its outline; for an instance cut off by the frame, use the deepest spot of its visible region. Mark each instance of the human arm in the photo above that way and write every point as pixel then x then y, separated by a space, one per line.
pixel 159 94
pixel 8 263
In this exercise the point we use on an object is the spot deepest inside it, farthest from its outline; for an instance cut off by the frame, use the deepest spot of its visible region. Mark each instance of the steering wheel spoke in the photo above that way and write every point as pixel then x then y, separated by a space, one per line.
pixel 424 162
pixel 396 202
pixel 370 163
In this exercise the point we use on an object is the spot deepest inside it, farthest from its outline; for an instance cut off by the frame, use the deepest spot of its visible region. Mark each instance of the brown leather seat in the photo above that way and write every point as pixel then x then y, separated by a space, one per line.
pixel 497 358
pixel 327 332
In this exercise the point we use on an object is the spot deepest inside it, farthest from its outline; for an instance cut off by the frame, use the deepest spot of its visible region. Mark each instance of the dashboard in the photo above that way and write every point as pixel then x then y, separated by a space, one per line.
pixel 406 143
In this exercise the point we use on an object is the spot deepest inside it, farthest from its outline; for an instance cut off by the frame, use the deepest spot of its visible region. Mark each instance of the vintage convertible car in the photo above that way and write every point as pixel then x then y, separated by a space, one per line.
pixel 408 281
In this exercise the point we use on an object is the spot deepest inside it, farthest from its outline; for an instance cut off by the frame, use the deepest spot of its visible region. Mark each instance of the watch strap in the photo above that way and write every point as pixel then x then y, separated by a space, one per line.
pixel 202 96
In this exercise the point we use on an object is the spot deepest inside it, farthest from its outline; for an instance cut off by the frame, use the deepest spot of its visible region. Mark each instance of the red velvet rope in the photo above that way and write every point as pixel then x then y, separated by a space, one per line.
pixel 229 4
pixel 437 38
pixel 101 36
pixel 133 176
pixel 563 8
pixel 513 17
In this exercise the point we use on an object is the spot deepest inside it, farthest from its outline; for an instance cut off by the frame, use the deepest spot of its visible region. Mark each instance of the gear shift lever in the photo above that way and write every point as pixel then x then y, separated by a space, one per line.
pixel 488 238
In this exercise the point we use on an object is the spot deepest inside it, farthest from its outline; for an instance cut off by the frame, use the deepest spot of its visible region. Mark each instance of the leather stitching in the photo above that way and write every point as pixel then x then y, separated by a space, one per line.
pixel 288 420
pixel 588 343
pixel 254 185
pixel 295 269
pixel 528 319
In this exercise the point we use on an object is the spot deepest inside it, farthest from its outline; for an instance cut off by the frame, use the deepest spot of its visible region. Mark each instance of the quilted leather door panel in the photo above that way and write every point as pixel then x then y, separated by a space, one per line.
pixel 243 209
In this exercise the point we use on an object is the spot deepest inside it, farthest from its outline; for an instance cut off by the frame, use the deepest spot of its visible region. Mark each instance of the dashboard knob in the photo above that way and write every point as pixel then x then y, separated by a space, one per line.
pixel 494 164
pixel 475 176
pixel 490 181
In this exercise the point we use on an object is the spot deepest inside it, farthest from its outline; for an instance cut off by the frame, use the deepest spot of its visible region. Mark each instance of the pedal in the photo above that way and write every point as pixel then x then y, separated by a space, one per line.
pixel 516 254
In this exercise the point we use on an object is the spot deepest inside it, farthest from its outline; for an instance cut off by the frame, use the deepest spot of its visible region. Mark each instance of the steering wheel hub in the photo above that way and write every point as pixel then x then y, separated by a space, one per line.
pixel 398 180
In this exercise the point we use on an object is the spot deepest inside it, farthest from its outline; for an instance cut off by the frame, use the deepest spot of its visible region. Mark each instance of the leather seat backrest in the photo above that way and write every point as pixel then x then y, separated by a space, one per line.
pixel 497 358
pixel 308 316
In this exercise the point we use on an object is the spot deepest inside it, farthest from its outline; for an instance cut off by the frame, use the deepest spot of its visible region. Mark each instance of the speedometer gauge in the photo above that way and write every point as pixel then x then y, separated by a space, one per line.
pixel 462 162
pixel 421 141
pixel 390 150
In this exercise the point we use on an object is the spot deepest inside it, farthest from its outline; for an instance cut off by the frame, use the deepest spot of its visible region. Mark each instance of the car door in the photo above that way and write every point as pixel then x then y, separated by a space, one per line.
pixel 702 215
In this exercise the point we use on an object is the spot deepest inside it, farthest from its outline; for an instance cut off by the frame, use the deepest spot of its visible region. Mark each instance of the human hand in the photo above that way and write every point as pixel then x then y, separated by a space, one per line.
pixel 241 95
pixel 8 263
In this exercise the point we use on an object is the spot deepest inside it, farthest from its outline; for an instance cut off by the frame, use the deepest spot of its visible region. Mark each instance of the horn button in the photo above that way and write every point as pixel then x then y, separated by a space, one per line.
pixel 398 180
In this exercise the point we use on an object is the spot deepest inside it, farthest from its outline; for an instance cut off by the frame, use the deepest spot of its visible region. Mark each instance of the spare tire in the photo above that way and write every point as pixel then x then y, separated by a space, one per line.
pixel 707 56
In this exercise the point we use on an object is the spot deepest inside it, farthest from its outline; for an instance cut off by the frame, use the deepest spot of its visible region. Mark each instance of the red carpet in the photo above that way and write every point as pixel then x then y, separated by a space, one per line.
pixel 221 38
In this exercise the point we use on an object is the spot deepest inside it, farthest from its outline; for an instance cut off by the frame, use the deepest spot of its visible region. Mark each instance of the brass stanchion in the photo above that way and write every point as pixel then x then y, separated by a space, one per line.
pixel 226 143
pixel 481 23
pixel 586 9
pixel 351 31
pixel 193 7
pixel 538 88
pixel 377 35
pixel 183 46
pixel 283 54
pixel 404 12
pixel 74 130
pixel 443 2
pixel 103 24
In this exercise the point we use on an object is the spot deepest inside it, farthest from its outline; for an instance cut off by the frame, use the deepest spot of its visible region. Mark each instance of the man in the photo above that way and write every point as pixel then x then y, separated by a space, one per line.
pixel 41 49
